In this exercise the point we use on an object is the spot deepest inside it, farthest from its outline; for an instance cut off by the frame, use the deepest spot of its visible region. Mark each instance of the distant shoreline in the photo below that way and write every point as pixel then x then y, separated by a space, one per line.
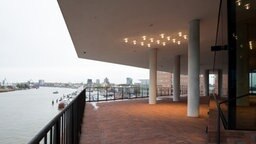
pixel 6 90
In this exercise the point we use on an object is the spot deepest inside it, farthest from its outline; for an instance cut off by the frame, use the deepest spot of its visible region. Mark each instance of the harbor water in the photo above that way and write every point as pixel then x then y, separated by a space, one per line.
pixel 24 113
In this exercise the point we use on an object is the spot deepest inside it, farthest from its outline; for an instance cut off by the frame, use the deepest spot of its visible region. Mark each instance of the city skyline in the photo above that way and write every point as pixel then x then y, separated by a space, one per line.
pixel 35 44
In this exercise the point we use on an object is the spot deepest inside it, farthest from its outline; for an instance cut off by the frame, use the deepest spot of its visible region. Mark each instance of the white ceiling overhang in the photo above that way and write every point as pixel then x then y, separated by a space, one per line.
pixel 98 29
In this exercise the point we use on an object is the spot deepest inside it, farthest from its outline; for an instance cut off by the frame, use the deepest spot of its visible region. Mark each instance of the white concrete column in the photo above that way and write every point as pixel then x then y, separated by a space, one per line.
pixel 176 78
pixel 152 75
pixel 206 82
pixel 193 68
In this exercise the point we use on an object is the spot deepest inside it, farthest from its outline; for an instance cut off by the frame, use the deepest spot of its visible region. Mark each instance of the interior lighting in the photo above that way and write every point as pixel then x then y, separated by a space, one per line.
pixel 180 34
pixel 126 40
pixel 247 6
pixel 134 42
pixel 178 42
pixel 238 2
pixel 162 35
pixel 144 37
pixel 185 36
pixel 149 45
pixel 142 43
pixel 174 40
pixel 164 43
pixel 168 38
pixel 151 40
pixel 250 45
pixel 158 41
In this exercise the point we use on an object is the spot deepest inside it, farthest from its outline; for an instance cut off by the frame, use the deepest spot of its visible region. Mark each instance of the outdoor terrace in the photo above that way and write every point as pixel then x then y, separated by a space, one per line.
pixel 135 121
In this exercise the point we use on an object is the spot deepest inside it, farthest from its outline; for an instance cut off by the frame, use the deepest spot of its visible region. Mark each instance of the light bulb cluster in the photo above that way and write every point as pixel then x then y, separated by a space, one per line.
pixel 157 40
pixel 246 5
pixel 251 45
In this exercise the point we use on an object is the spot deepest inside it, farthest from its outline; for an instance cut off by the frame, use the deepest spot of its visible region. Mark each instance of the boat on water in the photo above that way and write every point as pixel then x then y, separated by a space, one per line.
pixel 55 92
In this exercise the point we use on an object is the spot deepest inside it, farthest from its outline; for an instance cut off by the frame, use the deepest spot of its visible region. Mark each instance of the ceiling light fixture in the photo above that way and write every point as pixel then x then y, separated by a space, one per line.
pixel 134 42
pixel 185 36
pixel 158 41
pixel 178 42
pixel 126 40
pixel 238 2
pixel 247 6
pixel 180 34
pixel 142 43
pixel 151 39
pixel 148 45
pixel 164 43
pixel 174 40
pixel 162 35
pixel 250 45
pixel 144 37
pixel 168 38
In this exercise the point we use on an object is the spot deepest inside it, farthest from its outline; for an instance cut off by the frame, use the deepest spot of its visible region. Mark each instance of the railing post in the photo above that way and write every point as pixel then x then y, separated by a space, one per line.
pixel 57 132
pixel 218 125
pixel 114 93
pixel 147 92
pixel 129 93
pixel 97 94
pixel 136 90
pixel 122 92
pixel 106 94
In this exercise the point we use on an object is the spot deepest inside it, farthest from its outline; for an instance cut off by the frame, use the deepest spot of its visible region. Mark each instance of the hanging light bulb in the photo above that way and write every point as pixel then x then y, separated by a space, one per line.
pixel 162 35
pixel 185 36
pixel 164 43
pixel 250 45
pixel 144 37
pixel 134 42
pixel 174 40
pixel 126 40
pixel 149 45
pixel 238 2
pixel 158 41
pixel 168 38
pixel 247 6
pixel 180 34
pixel 151 39
pixel 178 42
pixel 142 43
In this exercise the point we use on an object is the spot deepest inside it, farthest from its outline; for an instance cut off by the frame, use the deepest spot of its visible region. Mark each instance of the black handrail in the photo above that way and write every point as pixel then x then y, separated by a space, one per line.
pixel 218 103
pixel 221 114
pixel 224 120
pixel 66 126
pixel 242 96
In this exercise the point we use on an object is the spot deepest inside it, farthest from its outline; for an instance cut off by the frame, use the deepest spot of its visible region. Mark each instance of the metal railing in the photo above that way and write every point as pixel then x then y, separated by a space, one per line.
pixel 65 128
pixel 221 116
pixel 95 94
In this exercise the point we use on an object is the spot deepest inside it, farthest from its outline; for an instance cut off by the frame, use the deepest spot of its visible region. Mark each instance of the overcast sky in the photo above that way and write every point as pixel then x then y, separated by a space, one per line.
pixel 35 44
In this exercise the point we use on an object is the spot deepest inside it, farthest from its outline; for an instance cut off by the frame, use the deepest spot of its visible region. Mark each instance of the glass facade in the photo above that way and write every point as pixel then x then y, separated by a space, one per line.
pixel 242 63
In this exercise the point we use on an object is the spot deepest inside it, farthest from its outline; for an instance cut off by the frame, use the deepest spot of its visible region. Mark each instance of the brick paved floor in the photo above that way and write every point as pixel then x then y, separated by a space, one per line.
pixel 137 122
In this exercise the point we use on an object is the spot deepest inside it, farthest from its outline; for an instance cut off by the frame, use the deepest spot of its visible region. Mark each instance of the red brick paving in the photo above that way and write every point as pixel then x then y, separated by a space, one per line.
pixel 137 122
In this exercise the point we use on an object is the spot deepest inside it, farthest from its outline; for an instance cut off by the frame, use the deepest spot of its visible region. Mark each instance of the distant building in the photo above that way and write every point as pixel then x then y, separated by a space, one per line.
pixel 97 81
pixel 4 82
pixel 89 82
pixel 164 79
pixel 144 83
pixel 106 81
pixel 41 82
pixel 129 81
